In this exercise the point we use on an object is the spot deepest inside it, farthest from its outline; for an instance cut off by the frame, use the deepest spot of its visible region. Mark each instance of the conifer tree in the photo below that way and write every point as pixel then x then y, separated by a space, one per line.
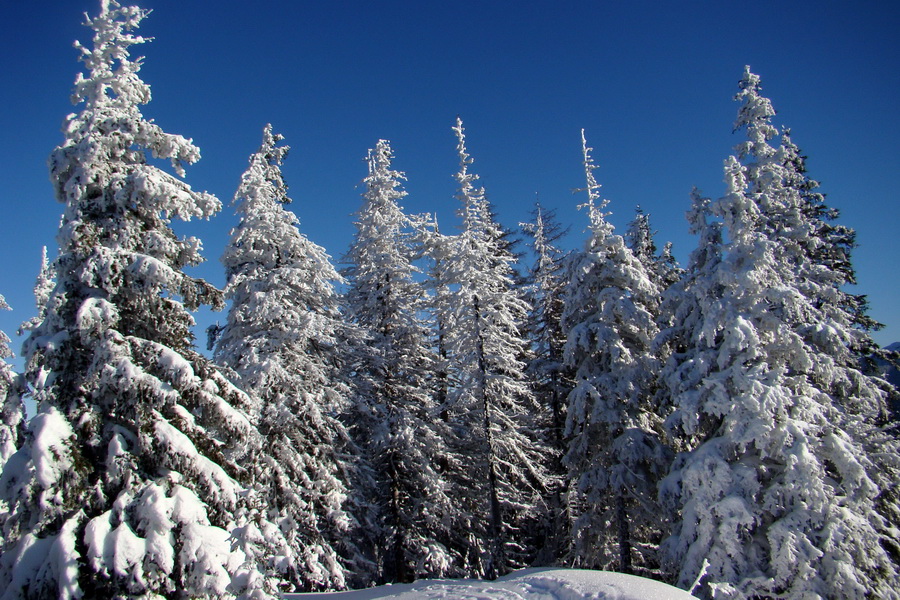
pixel 12 414
pixel 502 479
pixel 282 343
pixel 545 296
pixel 615 455
pixel 552 378
pixel 639 237
pixel 404 438
pixel 132 471
pixel 662 268
pixel 778 493
pixel 832 321
pixel 683 361
pixel 669 268
pixel 43 287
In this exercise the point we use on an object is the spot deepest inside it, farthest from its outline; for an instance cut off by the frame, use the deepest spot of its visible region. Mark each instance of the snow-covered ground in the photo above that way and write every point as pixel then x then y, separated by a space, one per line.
pixel 529 584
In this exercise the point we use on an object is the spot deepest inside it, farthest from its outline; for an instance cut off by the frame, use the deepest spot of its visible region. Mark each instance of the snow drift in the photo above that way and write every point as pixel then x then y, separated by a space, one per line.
pixel 528 584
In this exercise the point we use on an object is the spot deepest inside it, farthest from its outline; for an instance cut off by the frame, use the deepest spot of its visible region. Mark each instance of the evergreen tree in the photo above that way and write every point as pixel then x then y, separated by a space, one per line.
pixel 12 414
pixel 502 479
pixel 403 439
pixel 43 287
pixel 831 321
pixel 615 454
pixel 778 491
pixel 282 343
pixel 639 237
pixel 552 378
pixel 545 296
pixel 133 467
pixel 668 267
pixel 684 362
pixel 662 268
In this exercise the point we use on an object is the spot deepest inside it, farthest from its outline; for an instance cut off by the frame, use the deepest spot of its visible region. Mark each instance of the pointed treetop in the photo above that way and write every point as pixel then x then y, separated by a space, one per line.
pixel 262 184
pixel 112 77
pixel 698 216
pixel 464 177
pixel 43 288
pixel 380 156
pixel 44 284
pixel 639 236
pixel 269 149
pixel 273 157
pixel 5 351
pixel 536 229
pixel 755 113
pixel 112 92
pixel 379 162
pixel 594 204
pixel 475 211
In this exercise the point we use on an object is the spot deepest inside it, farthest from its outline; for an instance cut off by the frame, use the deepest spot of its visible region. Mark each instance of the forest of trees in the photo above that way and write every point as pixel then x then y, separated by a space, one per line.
pixel 437 408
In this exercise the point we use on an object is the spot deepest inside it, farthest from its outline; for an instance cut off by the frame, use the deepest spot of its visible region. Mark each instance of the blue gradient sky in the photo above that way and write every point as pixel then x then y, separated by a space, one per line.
pixel 651 82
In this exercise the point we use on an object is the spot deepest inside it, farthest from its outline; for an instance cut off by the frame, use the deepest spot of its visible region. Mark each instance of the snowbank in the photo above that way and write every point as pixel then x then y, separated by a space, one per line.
pixel 529 584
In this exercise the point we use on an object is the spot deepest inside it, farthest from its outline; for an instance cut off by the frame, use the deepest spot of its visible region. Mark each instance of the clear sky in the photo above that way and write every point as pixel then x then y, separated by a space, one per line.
pixel 651 82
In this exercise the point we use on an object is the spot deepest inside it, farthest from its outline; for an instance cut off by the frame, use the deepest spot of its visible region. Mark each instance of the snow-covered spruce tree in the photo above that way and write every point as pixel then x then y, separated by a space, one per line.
pixel 12 409
pixel 683 362
pixel 12 385
pixel 501 481
pixel 43 287
pixel 405 439
pixel 661 268
pixel 778 493
pixel 281 342
pixel 132 469
pixel 551 377
pixel 546 285
pixel 614 454
pixel 832 322
pixel 639 237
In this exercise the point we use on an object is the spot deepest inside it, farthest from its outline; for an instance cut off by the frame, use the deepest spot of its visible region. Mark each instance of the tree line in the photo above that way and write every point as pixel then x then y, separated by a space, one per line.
pixel 720 426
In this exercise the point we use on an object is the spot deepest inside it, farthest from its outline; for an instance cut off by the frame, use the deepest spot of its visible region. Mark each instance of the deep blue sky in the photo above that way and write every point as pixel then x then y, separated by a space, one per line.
pixel 651 82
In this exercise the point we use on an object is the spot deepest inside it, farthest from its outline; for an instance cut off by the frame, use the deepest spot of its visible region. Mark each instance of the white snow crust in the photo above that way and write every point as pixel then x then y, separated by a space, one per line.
pixel 528 584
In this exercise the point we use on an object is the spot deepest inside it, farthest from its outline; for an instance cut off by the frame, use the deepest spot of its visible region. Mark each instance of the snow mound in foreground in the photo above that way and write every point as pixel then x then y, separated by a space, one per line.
pixel 529 584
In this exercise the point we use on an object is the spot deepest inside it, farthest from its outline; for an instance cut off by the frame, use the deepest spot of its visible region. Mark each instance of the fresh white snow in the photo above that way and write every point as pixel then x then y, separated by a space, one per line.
pixel 528 584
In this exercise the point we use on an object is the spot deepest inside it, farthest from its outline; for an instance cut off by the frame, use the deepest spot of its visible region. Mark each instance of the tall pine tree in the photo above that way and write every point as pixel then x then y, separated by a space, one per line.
pixel 43 287
pixel 661 268
pixel 778 493
pixel 281 341
pixel 614 455
pixel 404 437
pixel 502 480
pixel 132 471
pixel 551 377
pixel 12 413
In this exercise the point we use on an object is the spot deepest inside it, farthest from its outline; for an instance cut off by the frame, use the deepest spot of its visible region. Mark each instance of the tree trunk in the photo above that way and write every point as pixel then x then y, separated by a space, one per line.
pixel 398 572
pixel 496 562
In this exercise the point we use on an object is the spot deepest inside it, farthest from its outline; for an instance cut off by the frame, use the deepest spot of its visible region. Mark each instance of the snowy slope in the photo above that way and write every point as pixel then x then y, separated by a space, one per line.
pixel 529 584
